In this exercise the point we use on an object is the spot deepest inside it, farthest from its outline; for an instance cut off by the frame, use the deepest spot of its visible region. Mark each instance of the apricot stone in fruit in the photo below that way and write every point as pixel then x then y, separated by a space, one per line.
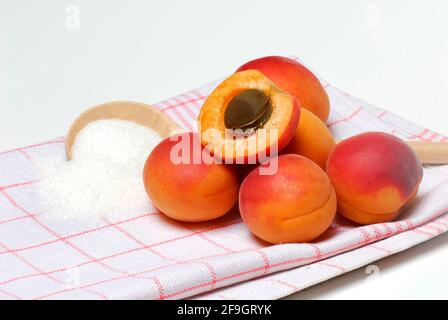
pixel 374 174
pixel 247 118
pixel 295 204
pixel 294 78
pixel 189 189
pixel 250 109
pixel 312 139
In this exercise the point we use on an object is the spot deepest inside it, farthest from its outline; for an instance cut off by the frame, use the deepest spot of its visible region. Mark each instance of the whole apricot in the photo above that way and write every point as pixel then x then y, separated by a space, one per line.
pixel 185 187
pixel 375 175
pixel 294 78
pixel 296 203
pixel 312 139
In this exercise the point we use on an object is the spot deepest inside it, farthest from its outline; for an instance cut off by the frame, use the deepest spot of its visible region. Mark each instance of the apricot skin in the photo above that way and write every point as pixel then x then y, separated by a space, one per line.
pixel 375 175
pixel 189 192
pixel 296 204
pixel 312 139
pixel 294 78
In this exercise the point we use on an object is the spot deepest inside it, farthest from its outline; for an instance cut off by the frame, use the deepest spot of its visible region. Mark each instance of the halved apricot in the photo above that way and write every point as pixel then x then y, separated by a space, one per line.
pixel 247 118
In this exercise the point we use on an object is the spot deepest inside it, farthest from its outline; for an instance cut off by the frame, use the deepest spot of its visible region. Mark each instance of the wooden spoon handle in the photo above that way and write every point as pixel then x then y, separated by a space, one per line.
pixel 430 152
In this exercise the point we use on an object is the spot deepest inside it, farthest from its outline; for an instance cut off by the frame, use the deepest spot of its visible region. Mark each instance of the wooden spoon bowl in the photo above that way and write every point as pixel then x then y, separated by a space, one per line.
pixel 137 112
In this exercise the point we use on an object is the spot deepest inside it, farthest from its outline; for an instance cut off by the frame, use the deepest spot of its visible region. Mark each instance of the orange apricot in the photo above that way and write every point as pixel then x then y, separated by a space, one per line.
pixel 297 203
pixel 313 139
pixel 185 187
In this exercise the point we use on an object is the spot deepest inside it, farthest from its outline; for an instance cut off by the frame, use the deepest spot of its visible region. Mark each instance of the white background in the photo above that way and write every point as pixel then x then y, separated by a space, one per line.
pixel 391 53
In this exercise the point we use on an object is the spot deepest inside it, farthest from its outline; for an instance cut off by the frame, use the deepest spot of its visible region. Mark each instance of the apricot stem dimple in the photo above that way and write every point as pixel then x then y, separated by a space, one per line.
pixel 248 110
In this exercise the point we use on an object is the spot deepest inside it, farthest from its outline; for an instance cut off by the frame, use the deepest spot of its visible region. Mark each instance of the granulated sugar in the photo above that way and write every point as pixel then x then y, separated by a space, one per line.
pixel 104 177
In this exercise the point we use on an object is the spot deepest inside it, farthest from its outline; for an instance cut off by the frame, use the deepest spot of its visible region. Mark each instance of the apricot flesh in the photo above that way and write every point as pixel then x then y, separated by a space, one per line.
pixel 312 139
pixel 295 204
pixel 191 191
pixel 375 175
pixel 294 78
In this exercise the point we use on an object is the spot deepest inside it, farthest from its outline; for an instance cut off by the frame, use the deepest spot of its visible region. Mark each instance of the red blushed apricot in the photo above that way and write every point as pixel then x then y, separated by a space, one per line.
pixel 313 139
pixel 191 190
pixel 247 118
pixel 294 78
pixel 295 204
pixel 374 174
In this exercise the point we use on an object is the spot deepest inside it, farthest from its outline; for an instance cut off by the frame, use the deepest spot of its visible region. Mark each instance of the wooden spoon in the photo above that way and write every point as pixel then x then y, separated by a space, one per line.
pixel 148 116
pixel 137 112
pixel 430 152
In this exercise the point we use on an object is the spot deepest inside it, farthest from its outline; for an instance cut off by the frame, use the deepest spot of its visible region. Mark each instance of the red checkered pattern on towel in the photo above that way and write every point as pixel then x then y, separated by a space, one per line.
pixel 147 256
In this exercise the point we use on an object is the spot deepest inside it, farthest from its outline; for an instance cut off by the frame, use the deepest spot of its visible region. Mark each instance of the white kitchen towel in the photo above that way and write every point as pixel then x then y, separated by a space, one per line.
pixel 147 256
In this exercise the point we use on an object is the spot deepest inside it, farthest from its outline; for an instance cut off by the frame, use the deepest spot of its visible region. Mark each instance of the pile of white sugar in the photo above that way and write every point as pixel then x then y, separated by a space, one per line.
pixel 104 178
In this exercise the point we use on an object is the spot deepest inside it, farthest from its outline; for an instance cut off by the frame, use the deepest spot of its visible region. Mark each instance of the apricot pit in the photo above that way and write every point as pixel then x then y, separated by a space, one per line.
pixel 248 110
